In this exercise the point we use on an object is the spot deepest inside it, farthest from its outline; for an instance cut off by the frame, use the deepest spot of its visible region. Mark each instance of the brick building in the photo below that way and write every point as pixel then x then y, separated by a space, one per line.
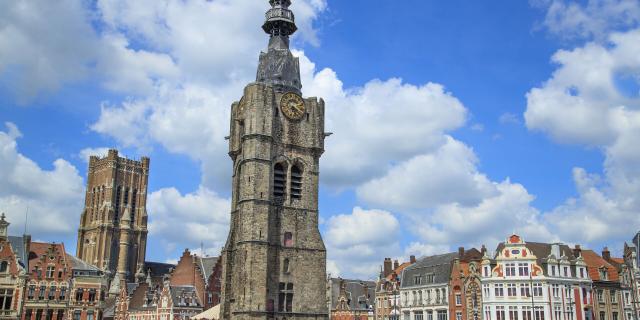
pixel 465 287
pixel 351 299
pixel 13 253
pixel 387 306
pixel 607 291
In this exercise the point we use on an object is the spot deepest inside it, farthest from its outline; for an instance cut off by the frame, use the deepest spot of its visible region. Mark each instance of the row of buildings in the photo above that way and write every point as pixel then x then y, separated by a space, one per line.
pixel 518 280
pixel 41 281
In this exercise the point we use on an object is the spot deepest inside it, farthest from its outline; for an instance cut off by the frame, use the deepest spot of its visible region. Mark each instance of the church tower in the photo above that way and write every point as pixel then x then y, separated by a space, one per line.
pixel 113 225
pixel 274 261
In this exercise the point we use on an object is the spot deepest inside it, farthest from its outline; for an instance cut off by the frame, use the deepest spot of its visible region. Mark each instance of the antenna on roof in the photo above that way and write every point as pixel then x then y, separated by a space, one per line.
pixel 202 249
pixel 26 219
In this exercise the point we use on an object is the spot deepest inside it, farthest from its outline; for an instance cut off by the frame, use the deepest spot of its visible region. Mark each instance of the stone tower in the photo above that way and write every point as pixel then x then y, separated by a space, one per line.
pixel 113 225
pixel 274 261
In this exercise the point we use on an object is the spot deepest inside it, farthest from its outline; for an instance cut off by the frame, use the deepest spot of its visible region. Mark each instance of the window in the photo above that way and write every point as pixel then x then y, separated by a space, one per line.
pixel 285 298
pixel 60 314
pixel 6 295
pixel 581 272
pixel 600 294
pixel 288 239
pixel 614 296
pixel 31 293
pixel 296 182
pixel 556 290
pixel 134 196
pixel 499 290
pixel 500 315
pixel 557 310
pixel 511 290
pixel 41 293
pixel 510 269
pixel 417 315
pixel 487 290
pixel 50 271
pixel 79 294
pixel 525 290
pixel 39 314
pixel 117 206
pixel 429 315
pixel 285 266
pixel 487 312
pixel 89 315
pixel 614 316
pixel 537 289
pixel 417 280
pixel 458 299
pixel 49 314
pixel 126 196
pixel 553 270
pixel 76 315
pixel 28 315
pixel 538 313
pixel 566 271
pixel 513 313
pixel 442 315
pixel 603 315
pixel 92 295
pixel 430 278
pixel 485 271
pixel 526 313
pixel 63 292
pixel 458 315
pixel 523 269
pixel 4 266
pixel 279 180
pixel 52 292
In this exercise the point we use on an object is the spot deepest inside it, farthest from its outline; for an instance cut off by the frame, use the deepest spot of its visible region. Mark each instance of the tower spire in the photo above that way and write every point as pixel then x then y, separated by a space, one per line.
pixel 278 67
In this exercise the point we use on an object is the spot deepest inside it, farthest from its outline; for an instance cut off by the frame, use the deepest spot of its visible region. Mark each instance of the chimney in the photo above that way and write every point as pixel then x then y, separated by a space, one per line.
pixel 577 251
pixel 387 266
pixel 483 250
pixel 396 264
pixel 606 254
pixel 26 242
pixel 460 252
pixel 412 259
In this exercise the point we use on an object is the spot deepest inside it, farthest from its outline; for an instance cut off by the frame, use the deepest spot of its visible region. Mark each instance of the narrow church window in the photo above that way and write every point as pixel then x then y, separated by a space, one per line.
pixel 134 197
pixel 117 206
pixel 307 117
pixel 288 239
pixel 285 267
pixel 126 196
pixel 279 181
pixel 296 182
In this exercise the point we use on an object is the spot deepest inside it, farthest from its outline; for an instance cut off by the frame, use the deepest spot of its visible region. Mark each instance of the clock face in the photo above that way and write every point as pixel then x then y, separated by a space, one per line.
pixel 292 106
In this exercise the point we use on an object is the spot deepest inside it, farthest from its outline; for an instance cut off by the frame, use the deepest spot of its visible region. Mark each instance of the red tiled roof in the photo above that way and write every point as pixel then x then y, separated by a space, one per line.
pixel 595 262
pixel 37 249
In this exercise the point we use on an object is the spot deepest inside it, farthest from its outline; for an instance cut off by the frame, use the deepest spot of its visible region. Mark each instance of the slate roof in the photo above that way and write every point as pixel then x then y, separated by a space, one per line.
pixel 17 243
pixel 158 269
pixel 177 291
pixel 358 298
pixel 206 265
pixel 78 264
pixel 438 265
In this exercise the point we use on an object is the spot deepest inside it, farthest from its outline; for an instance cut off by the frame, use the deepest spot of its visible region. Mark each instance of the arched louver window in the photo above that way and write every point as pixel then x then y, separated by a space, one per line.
pixel 279 181
pixel 296 183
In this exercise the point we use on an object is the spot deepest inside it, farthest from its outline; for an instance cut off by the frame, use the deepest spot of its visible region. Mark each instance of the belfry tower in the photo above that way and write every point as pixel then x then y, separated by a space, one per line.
pixel 113 225
pixel 274 261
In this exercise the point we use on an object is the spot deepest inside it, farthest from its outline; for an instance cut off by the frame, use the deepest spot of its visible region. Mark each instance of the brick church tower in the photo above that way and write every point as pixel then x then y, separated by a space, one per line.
pixel 113 225
pixel 274 261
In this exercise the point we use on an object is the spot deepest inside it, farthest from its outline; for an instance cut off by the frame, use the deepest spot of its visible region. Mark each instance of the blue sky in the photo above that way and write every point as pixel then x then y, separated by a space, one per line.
pixel 455 123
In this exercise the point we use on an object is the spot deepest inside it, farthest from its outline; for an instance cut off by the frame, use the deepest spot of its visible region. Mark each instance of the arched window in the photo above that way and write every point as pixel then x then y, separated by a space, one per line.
pixel 4 266
pixel 296 182
pixel 279 180
pixel 285 266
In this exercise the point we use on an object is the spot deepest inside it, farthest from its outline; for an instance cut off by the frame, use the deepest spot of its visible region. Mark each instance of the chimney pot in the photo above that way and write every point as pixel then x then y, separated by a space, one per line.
pixel 460 252
pixel 606 254
pixel 387 267
pixel 412 259
pixel 396 264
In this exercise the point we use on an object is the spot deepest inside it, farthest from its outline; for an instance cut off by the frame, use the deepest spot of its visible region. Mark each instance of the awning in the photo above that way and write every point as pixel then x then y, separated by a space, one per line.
pixel 209 314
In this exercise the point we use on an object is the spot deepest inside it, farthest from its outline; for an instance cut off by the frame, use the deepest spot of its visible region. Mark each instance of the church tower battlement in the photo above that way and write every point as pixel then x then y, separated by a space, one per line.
pixel 113 224
pixel 274 261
